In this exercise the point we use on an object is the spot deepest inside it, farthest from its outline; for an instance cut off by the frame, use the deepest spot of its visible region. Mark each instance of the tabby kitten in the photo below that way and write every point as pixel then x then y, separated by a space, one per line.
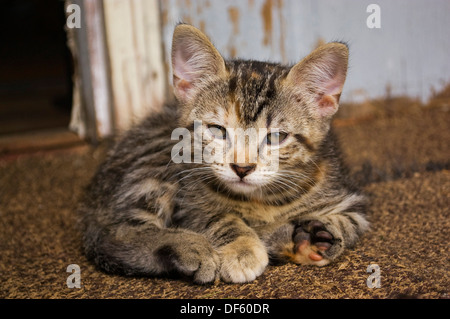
pixel 144 214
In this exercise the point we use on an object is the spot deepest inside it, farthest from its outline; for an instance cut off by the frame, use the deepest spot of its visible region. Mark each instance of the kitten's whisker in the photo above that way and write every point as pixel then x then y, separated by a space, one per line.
pixel 190 183
pixel 187 187
pixel 305 178
pixel 287 186
pixel 201 180
pixel 191 172
pixel 192 169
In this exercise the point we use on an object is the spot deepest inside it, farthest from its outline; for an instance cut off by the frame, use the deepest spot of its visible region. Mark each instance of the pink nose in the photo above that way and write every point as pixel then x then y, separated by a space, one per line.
pixel 243 170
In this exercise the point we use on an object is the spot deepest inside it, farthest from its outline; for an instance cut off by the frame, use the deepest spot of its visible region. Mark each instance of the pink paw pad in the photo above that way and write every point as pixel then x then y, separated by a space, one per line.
pixel 310 241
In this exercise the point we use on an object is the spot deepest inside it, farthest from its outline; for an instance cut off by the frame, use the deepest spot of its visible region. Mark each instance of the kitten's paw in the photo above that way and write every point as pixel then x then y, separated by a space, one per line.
pixel 312 242
pixel 193 256
pixel 243 260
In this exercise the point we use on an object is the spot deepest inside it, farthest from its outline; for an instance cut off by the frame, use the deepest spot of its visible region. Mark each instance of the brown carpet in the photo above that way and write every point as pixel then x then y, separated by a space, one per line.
pixel 401 156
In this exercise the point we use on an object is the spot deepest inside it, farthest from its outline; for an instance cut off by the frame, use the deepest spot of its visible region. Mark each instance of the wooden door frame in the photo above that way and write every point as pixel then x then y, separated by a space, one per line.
pixel 119 65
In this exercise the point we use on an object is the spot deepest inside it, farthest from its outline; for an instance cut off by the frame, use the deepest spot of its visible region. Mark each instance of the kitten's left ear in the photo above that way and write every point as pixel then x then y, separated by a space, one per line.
pixel 194 61
pixel 320 77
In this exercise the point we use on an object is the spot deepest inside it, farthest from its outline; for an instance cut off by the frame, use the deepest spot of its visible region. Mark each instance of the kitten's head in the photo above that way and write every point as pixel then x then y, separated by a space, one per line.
pixel 285 111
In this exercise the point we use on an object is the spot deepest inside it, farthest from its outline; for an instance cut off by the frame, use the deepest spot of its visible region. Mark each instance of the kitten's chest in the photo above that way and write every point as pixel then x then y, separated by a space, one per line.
pixel 256 214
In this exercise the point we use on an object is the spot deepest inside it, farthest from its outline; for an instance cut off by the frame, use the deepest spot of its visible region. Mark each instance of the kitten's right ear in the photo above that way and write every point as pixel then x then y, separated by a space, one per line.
pixel 194 60
pixel 321 76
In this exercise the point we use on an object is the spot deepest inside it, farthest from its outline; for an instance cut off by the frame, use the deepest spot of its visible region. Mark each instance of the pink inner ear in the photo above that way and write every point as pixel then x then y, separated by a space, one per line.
pixel 334 86
pixel 181 67
pixel 182 87
pixel 183 76
pixel 328 101
pixel 328 105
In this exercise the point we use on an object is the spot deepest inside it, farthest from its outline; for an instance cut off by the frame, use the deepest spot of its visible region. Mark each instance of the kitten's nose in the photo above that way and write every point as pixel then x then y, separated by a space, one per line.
pixel 243 170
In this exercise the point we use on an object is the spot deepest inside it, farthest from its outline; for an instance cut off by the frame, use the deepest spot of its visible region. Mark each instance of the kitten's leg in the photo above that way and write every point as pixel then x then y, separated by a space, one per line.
pixel 322 236
pixel 315 239
pixel 142 247
pixel 242 254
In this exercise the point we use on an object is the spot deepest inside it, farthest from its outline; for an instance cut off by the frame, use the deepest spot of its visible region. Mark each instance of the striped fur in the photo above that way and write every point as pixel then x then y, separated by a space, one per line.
pixel 145 215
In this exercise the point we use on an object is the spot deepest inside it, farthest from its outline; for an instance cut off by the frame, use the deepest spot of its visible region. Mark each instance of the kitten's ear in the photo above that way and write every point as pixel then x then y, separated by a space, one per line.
pixel 194 60
pixel 321 76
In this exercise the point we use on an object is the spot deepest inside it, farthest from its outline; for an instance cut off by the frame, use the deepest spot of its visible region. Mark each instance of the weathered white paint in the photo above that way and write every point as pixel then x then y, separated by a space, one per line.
pixel 138 78
pixel 91 112
pixel 99 66
pixel 408 55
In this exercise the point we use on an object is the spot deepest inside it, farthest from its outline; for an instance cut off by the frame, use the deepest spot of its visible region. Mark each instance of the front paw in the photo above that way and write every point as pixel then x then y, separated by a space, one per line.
pixel 314 244
pixel 243 260
pixel 193 256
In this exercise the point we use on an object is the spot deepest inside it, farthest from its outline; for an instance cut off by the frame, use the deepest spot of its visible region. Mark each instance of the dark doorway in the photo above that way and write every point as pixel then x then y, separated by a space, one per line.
pixel 35 66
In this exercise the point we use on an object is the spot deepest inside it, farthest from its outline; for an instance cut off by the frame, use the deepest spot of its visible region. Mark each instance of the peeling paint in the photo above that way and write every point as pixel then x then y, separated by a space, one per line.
pixel 233 13
pixel 164 16
pixel 187 19
pixel 282 22
pixel 233 51
pixel 320 41
pixel 202 26
pixel 266 14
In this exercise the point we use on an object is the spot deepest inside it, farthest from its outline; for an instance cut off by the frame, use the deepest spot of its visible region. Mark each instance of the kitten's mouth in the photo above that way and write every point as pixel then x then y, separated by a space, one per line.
pixel 243 186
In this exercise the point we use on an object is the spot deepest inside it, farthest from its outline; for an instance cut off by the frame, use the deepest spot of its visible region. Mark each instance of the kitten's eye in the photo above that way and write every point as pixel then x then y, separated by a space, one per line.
pixel 275 138
pixel 218 131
